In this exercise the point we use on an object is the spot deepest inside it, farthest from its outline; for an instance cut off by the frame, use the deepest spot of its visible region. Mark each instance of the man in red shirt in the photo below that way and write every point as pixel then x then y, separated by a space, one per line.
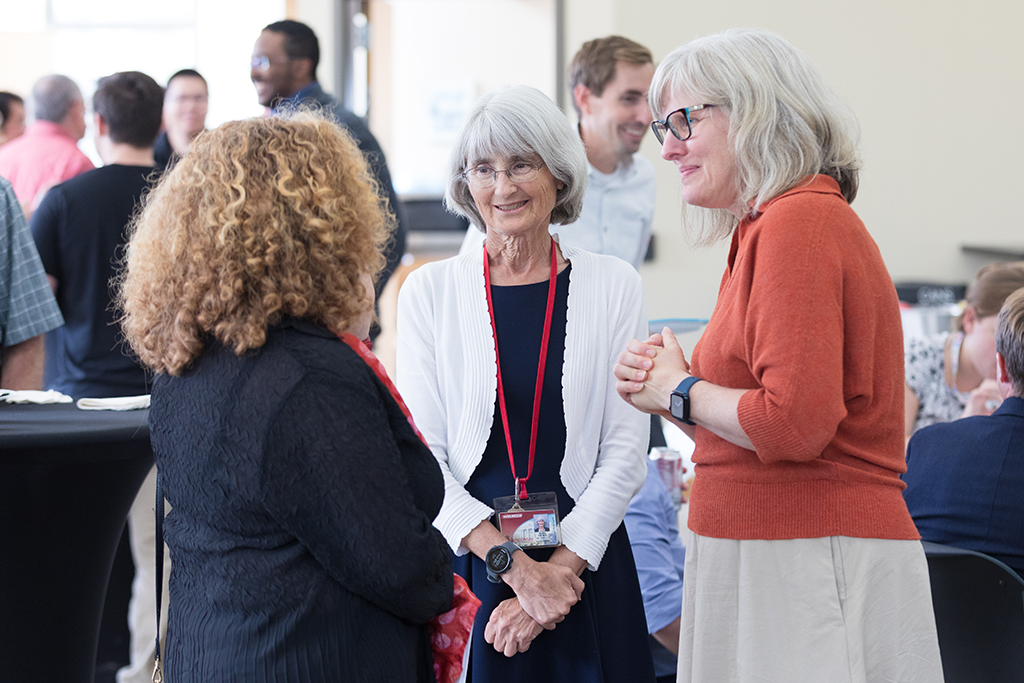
pixel 47 154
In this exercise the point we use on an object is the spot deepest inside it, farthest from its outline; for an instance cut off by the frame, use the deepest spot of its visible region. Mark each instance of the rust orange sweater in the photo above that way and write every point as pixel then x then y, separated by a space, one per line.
pixel 807 319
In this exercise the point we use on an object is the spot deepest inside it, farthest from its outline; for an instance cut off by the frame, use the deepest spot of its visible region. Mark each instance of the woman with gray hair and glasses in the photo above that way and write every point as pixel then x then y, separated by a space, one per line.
pixel 802 562
pixel 505 358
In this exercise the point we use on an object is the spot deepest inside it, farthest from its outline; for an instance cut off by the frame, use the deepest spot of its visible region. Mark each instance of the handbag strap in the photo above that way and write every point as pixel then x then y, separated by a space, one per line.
pixel 158 672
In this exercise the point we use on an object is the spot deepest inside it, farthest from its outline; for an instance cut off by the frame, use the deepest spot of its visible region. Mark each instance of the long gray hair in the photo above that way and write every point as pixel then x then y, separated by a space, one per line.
pixel 785 122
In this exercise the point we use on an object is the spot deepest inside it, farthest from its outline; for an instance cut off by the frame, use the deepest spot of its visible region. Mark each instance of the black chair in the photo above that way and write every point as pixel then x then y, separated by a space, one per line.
pixel 979 611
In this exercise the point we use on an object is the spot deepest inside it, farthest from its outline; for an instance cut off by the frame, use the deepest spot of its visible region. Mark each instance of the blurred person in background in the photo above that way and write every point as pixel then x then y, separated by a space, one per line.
pixel 283 71
pixel 81 231
pixel 609 78
pixel 186 100
pixel 12 117
pixel 27 307
pixel 302 496
pixel 964 478
pixel 653 525
pixel 48 152
pixel 950 376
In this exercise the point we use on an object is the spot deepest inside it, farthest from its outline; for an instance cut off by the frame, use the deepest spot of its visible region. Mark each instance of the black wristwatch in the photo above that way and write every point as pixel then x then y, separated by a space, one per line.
pixel 679 406
pixel 499 560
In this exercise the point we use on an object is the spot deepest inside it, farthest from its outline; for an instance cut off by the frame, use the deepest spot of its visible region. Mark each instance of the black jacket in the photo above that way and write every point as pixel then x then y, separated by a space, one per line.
pixel 300 531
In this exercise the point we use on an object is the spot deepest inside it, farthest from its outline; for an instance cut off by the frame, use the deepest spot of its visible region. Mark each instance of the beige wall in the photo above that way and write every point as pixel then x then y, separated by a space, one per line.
pixel 428 99
pixel 936 89
pixel 34 49
pixel 214 38
pixel 319 14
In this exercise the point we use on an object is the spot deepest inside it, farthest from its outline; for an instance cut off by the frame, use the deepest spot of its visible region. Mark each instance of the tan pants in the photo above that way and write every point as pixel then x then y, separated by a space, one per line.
pixel 142 608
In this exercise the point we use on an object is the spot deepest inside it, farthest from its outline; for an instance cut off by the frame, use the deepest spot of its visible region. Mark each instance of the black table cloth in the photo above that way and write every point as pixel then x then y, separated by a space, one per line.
pixel 68 478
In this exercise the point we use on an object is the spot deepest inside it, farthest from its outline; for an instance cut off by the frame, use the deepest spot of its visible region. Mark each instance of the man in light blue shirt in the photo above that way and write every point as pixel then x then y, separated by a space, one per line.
pixel 659 555
pixel 610 78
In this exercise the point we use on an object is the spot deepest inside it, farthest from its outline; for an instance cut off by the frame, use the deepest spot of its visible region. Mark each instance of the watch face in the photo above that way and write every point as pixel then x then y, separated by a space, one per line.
pixel 676 407
pixel 498 559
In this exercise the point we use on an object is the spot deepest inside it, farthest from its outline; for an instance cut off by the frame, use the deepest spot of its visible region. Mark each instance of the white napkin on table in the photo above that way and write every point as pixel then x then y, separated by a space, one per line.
pixel 118 403
pixel 29 396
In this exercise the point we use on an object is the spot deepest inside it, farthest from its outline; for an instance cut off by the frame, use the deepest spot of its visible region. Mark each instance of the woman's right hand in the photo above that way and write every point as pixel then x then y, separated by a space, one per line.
pixel 546 591
pixel 984 400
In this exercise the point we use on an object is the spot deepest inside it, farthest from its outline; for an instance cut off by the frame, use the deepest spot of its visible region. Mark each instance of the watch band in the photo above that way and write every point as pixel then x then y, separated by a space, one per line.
pixel 679 405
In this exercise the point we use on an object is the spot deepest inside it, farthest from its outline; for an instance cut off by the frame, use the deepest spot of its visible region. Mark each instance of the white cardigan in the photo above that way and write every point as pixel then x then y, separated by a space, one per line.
pixel 447 374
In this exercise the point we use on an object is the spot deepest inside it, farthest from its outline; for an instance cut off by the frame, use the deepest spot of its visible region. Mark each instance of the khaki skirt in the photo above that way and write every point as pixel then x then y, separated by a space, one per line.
pixel 815 610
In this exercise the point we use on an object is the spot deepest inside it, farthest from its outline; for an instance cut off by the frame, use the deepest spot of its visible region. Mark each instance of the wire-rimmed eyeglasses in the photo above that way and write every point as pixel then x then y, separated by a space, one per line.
pixel 518 172
pixel 678 123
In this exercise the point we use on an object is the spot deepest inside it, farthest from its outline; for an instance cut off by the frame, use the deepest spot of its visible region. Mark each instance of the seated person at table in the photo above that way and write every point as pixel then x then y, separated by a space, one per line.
pixel 951 376
pixel 965 478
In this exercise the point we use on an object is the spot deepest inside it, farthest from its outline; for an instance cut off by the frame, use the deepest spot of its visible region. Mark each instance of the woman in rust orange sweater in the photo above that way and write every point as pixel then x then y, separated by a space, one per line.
pixel 802 561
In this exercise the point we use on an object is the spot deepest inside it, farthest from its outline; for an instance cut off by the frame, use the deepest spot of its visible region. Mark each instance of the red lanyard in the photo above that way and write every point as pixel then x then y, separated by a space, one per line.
pixel 520 483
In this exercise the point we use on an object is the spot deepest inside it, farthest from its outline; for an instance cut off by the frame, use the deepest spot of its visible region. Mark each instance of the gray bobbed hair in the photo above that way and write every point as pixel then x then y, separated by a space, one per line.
pixel 785 122
pixel 519 122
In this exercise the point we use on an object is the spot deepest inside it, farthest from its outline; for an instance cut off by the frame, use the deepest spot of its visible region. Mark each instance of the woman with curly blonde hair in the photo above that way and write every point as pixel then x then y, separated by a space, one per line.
pixel 301 548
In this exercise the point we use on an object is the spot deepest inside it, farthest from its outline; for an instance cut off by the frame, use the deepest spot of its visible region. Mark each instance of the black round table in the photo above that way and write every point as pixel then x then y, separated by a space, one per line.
pixel 68 478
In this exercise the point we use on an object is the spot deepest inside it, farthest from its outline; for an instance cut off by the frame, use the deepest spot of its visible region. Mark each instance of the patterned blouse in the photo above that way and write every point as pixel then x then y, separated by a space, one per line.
pixel 926 375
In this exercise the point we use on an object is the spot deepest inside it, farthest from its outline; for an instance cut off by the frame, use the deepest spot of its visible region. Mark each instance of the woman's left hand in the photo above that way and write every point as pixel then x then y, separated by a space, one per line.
pixel 510 629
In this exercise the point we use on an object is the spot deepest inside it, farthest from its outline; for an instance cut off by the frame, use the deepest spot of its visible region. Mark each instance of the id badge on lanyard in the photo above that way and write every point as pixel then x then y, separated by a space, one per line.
pixel 529 521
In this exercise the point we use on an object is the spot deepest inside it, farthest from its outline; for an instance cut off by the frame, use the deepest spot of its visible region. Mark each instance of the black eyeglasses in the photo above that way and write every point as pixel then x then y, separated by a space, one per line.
pixel 678 123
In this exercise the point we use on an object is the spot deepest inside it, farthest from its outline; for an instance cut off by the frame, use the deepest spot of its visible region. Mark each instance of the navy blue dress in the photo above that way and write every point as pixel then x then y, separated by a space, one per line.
pixel 604 636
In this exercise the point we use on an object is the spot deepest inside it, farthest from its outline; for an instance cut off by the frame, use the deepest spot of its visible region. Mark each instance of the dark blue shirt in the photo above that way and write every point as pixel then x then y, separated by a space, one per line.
pixel 965 483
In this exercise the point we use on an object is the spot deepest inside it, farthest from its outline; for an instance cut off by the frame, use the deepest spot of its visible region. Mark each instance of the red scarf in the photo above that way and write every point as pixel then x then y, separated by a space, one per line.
pixel 449 632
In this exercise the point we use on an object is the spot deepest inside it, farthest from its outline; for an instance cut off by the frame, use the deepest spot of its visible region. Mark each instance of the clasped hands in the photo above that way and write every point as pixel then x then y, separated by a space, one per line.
pixel 545 592
pixel 644 386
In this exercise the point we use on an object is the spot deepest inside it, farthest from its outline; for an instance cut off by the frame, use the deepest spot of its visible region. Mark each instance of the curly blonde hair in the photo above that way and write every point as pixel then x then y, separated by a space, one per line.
pixel 263 218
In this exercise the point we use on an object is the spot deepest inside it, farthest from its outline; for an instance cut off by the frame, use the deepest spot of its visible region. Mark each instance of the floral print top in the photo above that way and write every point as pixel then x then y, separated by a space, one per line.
pixel 925 369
